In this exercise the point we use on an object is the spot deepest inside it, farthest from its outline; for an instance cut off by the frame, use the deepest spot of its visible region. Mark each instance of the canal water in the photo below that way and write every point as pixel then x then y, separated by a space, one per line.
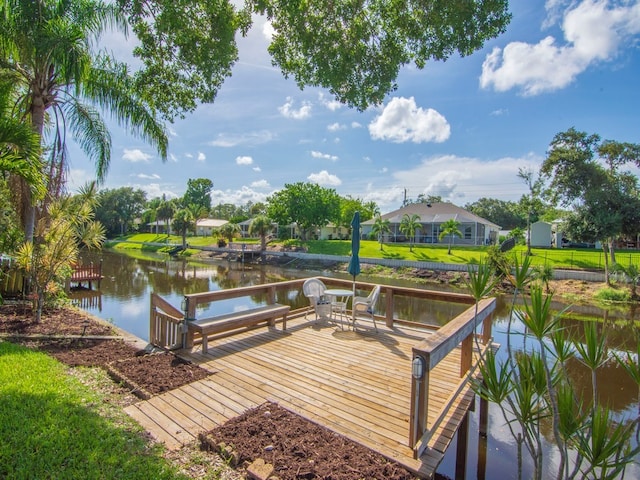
pixel 128 282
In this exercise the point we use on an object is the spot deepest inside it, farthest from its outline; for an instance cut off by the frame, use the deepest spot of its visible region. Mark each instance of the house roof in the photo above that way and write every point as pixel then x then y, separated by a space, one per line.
pixel 434 213
pixel 211 222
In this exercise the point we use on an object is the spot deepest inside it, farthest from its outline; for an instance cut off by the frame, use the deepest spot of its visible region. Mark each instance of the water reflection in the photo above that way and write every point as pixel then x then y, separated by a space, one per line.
pixel 128 283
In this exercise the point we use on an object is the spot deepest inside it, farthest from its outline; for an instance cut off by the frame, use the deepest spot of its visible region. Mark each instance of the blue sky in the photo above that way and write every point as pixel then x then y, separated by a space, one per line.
pixel 460 129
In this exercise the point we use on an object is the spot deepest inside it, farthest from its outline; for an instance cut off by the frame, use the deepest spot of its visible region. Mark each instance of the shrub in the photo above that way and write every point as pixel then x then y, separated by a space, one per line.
pixel 608 294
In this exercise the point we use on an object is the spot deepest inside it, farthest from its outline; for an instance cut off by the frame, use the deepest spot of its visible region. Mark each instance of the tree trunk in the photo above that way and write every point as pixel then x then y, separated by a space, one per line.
pixel 612 251
pixel 28 208
pixel 606 263
pixel 263 242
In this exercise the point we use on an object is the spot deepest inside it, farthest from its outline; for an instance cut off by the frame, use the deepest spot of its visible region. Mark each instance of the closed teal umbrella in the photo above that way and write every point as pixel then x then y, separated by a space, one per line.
pixel 354 263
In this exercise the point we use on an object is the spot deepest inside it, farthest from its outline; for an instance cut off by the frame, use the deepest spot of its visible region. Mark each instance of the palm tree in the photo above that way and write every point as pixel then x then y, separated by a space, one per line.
pixel 19 148
pixel 69 224
pixel 450 229
pixel 183 221
pixel 261 225
pixel 165 212
pixel 229 230
pixel 409 225
pixel 380 227
pixel 47 50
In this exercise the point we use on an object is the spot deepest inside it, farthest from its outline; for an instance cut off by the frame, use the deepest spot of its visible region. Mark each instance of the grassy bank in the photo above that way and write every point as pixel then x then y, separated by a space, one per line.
pixel 52 426
pixel 581 259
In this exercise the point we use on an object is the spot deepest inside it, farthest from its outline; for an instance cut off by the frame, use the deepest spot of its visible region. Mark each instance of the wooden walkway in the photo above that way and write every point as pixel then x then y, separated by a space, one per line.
pixel 355 383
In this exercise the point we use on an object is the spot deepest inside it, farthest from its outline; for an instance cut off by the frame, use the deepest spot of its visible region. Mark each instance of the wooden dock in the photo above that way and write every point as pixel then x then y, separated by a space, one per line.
pixel 90 274
pixel 357 384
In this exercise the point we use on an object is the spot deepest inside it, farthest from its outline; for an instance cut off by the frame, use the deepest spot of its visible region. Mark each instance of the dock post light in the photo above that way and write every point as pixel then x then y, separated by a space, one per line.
pixel 417 367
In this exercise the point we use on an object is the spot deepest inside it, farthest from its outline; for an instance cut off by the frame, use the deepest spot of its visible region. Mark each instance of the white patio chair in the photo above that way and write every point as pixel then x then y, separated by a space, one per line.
pixel 313 289
pixel 366 305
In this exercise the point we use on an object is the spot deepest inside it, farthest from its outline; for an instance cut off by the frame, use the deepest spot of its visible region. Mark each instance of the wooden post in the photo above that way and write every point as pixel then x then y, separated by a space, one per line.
pixel 152 320
pixel 486 329
pixel 466 354
pixel 461 448
pixel 419 401
pixel 389 307
pixel 99 274
pixel 481 469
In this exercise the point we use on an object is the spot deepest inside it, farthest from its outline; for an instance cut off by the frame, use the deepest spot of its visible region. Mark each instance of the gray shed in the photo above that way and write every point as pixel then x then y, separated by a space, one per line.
pixel 541 234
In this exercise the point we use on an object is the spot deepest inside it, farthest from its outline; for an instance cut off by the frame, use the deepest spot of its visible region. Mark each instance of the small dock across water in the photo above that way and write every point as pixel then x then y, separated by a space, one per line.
pixel 356 383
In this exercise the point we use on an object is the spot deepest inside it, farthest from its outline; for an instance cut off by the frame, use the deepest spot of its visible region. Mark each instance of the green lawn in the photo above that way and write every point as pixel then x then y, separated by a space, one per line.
pixel 588 259
pixel 50 426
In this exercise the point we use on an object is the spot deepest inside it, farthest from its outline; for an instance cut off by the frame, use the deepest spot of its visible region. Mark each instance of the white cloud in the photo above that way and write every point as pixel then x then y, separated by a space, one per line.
pixel 77 178
pixel 356 125
pixel 260 184
pixel 499 112
pixel 257 169
pixel 324 178
pixel 330 103
pixel 593 32
pixel 334 127
pixel 172 132
pixel 201 157
pixel 268 31
pixel 155 190
pixel 238 197
pixel 153 176
pixel 188 155
pixel 465 179
pixel 173 158
pixel 228 140
pixel 135 156
pixel 288 111
pixel 402 120
pixel 324 156
pixel 244 160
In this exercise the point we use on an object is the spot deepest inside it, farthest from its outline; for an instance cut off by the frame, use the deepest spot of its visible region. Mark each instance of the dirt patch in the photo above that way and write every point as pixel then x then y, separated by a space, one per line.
pixel 297 448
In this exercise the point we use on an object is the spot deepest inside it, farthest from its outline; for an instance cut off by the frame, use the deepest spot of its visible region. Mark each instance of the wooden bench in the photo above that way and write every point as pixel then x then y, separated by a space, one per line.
pixel 233 321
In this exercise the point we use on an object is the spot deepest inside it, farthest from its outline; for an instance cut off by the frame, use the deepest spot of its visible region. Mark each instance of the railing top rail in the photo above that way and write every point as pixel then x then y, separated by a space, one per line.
pixel 436 346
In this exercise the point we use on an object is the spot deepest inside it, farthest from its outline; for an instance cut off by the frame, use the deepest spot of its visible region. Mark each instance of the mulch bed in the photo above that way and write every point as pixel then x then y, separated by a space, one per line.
pixel 298 448
pixel 143 373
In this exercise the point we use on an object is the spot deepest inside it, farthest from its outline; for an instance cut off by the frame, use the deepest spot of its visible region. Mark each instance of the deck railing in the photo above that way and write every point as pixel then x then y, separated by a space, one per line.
pixel 165 324
pixel 167 327
pixel 458 333
pixel 86 273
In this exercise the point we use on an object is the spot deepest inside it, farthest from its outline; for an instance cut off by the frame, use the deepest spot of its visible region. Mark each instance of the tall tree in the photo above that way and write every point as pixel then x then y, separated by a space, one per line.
pixel 198 194
pixel 451 229
pixel 409 225
pixel 47 48
pixel 19 145
pixel 531 200
pixel 356 49
pixel 604 201
pixel 118 208
pixel 501 212
pixel 69 225
pixel 307 204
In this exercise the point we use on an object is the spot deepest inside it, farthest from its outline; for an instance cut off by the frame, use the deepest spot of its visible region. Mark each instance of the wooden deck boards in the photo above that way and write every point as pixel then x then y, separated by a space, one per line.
pixel 355 383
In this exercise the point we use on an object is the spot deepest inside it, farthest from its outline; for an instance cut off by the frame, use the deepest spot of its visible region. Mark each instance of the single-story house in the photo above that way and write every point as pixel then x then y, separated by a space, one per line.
pixel 475 230
pixel 246 225
pixel 333 232
pixel 206 226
